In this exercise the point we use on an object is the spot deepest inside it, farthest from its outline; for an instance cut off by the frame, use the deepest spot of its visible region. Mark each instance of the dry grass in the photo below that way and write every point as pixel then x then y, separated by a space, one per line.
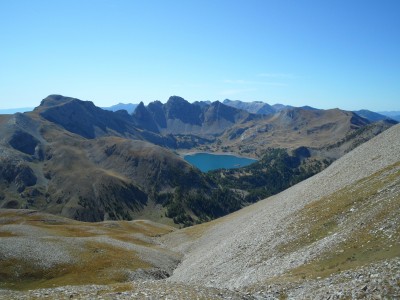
pixel 365 212
pixel 95 262
pixel 99 263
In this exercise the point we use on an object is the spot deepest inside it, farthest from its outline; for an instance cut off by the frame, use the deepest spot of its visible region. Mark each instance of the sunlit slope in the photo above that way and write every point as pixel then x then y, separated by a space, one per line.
pixel 43 250
pixel 344 218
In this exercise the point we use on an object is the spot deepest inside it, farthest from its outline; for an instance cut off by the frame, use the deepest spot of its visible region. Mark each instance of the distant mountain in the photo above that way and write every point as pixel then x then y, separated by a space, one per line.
pixel 307 107
pixel 395 115
pixel 256 107
pixel 129 107
pixel 259 107
pixel 10 111
pixel 178 116
pixel 371 116
pixel 296 127
pixel 202 103
pixel 279 107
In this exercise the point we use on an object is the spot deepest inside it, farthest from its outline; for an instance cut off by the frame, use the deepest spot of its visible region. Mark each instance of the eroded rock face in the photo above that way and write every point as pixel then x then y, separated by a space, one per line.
pixel 24 142
pixel 19 173
pixel 24 177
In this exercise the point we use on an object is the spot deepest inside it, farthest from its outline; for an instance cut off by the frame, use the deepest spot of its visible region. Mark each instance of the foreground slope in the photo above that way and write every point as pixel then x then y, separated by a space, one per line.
pixel 43 250
pixel 43 256
pixel 340 220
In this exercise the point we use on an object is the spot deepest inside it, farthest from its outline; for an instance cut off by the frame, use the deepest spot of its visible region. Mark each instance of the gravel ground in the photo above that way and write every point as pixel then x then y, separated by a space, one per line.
pixel 376 281
pixel 41 252
pixel 136 290
pixel 162 258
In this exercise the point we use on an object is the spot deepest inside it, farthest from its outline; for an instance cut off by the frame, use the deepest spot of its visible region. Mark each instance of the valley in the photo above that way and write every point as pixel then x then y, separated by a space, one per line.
pixel 71 158
pixel 93 203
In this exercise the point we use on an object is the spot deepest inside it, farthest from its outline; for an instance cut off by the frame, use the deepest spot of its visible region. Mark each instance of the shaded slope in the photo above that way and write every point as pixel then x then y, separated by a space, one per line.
pixel 177 116
pixel 89 121
pixel 84 118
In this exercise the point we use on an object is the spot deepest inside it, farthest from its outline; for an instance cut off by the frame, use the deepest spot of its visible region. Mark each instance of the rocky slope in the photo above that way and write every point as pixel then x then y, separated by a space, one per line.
pixel 333 227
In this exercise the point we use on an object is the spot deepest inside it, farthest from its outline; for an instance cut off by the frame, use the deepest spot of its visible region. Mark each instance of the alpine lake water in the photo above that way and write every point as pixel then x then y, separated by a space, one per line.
pixel 209 161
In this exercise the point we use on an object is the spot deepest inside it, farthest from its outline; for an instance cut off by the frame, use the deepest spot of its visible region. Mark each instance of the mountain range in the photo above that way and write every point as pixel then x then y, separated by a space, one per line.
pixel 256 107
pixel 71 158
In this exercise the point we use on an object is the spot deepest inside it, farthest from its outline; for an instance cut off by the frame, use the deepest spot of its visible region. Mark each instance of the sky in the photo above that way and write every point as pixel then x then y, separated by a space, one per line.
pixel 326 54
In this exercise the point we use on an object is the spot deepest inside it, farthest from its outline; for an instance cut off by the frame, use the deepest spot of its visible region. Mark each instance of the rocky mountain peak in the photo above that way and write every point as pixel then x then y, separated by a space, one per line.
pixel 55 100
pixel 176 100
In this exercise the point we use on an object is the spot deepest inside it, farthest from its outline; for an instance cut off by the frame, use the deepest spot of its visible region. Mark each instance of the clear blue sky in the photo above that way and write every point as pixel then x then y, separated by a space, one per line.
pixel 321 53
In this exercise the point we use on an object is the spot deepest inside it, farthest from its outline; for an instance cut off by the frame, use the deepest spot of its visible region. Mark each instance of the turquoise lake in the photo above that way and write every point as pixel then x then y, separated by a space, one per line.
pixel 207 161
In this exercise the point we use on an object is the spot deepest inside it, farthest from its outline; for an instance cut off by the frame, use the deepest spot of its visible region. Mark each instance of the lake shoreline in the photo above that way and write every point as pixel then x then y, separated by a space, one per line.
pixel 206 161
pixel 193 152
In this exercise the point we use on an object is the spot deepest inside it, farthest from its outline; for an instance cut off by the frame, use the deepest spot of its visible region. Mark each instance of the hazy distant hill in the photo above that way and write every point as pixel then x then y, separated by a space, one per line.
pixel 256 107
pixel 370 115
pixel 11 111
pixel 259 107
pixel 129 107
pixel 395 115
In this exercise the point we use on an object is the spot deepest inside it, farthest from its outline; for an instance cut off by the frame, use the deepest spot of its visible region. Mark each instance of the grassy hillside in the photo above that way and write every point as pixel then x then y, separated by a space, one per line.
pixel 363 220
pixel 40 250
